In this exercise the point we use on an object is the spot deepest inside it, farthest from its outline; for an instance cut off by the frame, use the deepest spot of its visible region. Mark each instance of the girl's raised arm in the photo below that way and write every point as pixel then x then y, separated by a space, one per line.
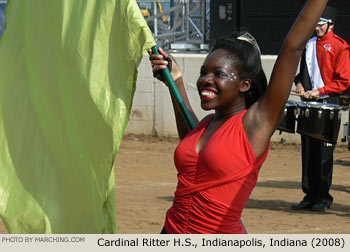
pixel 263 117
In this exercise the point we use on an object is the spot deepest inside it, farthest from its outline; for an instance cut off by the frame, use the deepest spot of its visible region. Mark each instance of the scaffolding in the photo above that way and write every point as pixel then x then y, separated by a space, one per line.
pixel 178 24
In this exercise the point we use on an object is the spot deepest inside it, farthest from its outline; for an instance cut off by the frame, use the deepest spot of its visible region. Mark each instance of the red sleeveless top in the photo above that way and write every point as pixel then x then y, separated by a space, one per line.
pixel 214 185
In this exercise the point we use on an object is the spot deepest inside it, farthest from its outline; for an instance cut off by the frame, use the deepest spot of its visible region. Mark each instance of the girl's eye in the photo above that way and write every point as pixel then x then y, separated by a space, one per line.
pixel 221 74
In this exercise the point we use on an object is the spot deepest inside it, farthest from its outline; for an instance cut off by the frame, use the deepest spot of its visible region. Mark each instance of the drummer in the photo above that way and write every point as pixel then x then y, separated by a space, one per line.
pixel 324 73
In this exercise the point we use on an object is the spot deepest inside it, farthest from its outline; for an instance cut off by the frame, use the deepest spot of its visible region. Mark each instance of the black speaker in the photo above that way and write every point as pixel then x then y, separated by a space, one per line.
pixel 267 20
pixel 224 18
pixel 342 22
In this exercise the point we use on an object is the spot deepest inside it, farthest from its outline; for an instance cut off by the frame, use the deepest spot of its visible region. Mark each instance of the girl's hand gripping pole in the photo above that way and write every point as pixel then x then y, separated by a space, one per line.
pixel 176 93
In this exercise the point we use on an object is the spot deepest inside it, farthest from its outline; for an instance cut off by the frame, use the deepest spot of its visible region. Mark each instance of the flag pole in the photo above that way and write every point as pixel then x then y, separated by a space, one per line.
pixel 176 93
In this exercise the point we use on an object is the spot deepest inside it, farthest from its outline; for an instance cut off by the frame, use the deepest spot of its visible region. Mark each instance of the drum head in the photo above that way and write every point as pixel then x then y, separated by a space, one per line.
pixel 291 103
pixel 319 105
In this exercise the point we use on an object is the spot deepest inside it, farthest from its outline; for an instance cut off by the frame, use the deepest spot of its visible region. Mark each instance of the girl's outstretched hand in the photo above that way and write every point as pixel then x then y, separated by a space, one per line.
pixel 161 62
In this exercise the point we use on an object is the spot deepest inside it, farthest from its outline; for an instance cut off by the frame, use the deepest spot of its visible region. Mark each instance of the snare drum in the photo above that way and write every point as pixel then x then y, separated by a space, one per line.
pixel 288 120
pixel 318 120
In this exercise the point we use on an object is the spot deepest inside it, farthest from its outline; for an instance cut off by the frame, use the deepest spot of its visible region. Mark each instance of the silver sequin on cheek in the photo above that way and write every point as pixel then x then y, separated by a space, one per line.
pixel 233 77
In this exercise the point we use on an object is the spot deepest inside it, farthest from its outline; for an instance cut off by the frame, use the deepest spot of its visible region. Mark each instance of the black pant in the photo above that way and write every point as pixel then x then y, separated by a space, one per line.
pixel 317 169
pixel 317 165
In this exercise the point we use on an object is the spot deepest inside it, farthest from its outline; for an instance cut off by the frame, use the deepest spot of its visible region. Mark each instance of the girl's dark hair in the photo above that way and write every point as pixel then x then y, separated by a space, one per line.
pixel 245 55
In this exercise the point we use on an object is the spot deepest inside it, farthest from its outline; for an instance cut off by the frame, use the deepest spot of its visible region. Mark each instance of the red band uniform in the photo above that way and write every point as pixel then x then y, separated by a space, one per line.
pixel 333 54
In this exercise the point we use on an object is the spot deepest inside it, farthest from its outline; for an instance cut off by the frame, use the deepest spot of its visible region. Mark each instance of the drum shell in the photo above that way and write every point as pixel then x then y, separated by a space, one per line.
pixel 287 123
pixel 321 122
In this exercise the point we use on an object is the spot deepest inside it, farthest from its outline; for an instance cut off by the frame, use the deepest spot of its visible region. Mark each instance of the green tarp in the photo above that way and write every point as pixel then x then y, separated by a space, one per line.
pixel 67 78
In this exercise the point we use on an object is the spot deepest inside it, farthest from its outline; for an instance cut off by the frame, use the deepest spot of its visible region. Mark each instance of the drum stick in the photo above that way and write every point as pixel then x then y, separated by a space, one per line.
pixel 297 94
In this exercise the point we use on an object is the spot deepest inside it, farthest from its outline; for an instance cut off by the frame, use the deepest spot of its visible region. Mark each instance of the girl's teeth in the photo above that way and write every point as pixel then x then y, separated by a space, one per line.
pixel 207 93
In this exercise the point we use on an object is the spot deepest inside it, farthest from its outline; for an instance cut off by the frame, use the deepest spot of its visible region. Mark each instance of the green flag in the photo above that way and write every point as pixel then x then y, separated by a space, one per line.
pixel 67 77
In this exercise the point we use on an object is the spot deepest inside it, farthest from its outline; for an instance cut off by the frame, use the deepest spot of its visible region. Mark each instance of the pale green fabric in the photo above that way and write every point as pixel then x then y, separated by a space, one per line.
pixel 67 78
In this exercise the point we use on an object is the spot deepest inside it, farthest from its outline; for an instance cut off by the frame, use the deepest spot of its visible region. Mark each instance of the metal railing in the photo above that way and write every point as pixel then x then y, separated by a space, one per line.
pixel 177 21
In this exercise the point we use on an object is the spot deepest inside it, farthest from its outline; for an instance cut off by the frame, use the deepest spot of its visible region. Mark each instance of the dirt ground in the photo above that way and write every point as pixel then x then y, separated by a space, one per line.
pixel 146 180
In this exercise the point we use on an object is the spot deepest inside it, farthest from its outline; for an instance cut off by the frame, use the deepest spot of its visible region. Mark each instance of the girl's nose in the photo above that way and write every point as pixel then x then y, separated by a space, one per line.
pixel 208 77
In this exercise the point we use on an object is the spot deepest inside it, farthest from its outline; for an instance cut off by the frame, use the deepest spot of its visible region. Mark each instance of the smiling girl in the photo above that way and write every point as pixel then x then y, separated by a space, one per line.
pixel 218 162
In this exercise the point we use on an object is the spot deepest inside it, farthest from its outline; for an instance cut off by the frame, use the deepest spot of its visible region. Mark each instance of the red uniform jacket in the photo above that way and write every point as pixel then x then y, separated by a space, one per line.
pixel 333 55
